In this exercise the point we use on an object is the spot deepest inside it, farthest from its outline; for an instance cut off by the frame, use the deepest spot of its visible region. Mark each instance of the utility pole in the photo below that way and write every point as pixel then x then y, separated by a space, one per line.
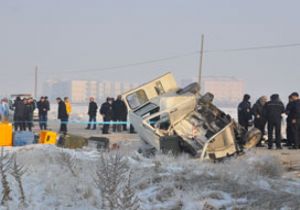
pixel 201 61
pixel 35 81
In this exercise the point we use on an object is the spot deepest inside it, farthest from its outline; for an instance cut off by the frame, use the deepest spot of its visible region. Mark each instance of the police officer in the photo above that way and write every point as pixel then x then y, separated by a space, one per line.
pixel 244 112
pixel 273 111
pixel 289 127
pixel 107 113
pixel 295 120
pixel 92 112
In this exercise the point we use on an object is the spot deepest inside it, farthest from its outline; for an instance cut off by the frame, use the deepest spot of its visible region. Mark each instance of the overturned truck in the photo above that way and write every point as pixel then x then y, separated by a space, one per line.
pixel 173 119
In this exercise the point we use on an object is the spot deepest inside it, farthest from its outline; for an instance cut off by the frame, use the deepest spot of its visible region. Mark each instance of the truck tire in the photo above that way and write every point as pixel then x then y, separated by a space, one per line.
pixel 191 88
pixel 252 138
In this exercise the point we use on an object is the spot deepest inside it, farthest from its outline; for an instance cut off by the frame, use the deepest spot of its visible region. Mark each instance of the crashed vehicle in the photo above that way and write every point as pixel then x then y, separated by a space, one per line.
pixel 172 119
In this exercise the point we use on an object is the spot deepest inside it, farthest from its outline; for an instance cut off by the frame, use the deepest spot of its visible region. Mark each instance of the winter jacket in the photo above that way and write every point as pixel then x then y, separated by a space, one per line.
pixel 19 109
pixel 62 111
pixel 288 111
pixel 274 109
pixel 68 107
pixel 106 110
pixel 119 109
pixel 43 107
pixel 295 110
pixel 244 113
pixel 93 107
pixel 258 112
pixel 4 110
pixel 28 111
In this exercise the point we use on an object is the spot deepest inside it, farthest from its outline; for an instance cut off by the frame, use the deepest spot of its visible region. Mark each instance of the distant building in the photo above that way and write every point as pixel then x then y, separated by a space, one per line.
pixel 79 91
pixel 228 91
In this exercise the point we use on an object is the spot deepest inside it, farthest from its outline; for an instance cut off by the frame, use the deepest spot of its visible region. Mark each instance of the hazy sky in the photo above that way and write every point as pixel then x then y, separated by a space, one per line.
pixel 61 35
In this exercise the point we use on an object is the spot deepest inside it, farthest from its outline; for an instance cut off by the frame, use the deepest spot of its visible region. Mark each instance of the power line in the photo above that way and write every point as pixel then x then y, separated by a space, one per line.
pixel 264 47
pixel 255 48
pixel 135 64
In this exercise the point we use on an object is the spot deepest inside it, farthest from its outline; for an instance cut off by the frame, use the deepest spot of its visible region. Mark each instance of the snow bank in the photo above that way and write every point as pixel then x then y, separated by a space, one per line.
pixel 52 181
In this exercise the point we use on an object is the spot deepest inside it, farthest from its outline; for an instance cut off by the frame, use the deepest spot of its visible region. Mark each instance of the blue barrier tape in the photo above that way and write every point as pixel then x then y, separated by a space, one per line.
pixel 81 122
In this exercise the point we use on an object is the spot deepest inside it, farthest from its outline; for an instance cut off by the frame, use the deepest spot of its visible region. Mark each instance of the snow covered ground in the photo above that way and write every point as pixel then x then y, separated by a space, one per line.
pixel 253 181
pixel 62 179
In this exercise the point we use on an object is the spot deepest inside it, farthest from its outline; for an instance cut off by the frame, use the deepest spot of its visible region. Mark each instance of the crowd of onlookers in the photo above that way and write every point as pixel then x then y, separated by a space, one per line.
pixel 113 111
pixel 24 113
pixel 268 113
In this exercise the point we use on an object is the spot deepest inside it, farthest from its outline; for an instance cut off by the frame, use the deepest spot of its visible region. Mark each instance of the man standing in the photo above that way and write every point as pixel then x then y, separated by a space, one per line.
pixel 19 112
pixel 62 115
pixel 43 107
pixel 4 110
pixel 289 125
pixel 47 102
pixel 92 112
pixel 295 120
pixel 259 119
pixel 68 108
pixel 107 112
pixel 29 109
pixel 120 114
pixel 244 112
pixel 273 111
pixel 68 105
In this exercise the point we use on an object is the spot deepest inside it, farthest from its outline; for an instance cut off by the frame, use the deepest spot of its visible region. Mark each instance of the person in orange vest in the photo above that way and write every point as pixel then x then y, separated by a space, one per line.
pixel 68 105
pixel 68 109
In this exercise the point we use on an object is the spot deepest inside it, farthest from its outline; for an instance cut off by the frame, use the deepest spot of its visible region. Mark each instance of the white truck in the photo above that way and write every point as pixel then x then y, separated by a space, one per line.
pixel 172 119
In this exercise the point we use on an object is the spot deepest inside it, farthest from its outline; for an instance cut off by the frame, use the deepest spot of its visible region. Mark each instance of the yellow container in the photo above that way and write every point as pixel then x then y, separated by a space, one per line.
pixel 6 131
pixel 47 137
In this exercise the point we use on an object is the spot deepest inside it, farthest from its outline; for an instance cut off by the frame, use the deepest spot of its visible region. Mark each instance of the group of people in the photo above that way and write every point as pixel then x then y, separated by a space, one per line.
pixel 23 113
pixel 269 113
pixel 113 112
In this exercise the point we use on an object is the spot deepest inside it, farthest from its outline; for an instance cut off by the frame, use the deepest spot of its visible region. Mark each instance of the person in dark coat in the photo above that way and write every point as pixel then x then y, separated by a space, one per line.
pixel 28 114
pixel 92 112
pixel 295 120
pixel 273 111
pixel 62 115
pixel 120 114
pixel 124 114
pixel 47 102
pixel 19 114
pixel 289 127
pixel 43 107
pixel 259 119
pixel 244 112
pixel 106 111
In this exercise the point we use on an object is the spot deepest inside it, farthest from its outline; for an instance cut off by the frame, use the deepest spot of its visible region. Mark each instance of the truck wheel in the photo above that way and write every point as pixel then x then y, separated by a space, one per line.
pixel 191 88
pixel 252 138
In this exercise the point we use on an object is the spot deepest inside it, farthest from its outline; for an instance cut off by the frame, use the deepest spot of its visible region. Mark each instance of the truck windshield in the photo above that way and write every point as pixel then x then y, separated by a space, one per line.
pixel 137 99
